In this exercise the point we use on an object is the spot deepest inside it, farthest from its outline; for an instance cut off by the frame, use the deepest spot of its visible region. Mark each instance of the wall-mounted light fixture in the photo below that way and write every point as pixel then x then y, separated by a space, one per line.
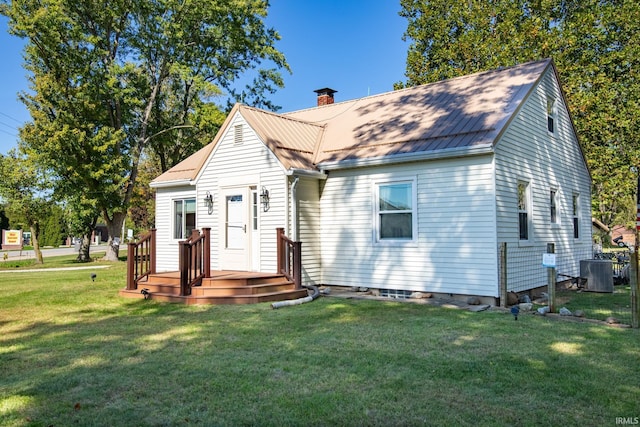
pixel 264 199
pixel 208 202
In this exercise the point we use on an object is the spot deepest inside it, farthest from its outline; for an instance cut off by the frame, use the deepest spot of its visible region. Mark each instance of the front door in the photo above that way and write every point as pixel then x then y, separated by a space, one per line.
pixel 236 234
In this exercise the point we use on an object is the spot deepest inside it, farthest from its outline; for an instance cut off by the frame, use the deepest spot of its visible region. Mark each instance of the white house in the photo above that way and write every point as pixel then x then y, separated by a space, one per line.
pixel 410 190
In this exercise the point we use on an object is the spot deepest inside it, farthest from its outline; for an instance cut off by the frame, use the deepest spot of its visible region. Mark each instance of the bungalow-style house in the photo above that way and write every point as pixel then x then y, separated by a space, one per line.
pixel 410 190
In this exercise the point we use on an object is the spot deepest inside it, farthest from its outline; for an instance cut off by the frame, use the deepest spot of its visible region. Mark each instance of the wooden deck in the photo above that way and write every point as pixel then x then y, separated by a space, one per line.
pixel 223 287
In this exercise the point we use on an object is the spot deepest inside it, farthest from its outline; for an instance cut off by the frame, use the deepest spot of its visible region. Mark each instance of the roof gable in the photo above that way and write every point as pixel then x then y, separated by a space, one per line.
pixel 293 141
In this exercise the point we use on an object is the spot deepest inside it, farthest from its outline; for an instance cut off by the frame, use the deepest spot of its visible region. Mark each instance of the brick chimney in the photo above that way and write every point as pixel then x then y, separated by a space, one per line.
pixel 325 96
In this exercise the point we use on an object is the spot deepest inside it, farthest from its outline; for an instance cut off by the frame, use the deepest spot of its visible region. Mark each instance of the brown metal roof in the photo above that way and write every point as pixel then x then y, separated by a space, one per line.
pixel 461 113
pixel 187 169
pixel 468 111
pixel 293 141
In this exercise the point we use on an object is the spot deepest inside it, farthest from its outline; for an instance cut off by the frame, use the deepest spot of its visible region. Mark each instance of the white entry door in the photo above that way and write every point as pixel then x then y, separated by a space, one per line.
pixel 235 229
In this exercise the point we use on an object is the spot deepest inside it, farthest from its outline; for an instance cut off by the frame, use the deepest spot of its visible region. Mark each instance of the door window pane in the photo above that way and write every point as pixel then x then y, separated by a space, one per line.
pixel 235 222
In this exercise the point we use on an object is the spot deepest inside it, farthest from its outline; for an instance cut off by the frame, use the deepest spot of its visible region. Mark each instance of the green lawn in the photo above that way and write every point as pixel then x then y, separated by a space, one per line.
pixel 599 305
pixel 74 353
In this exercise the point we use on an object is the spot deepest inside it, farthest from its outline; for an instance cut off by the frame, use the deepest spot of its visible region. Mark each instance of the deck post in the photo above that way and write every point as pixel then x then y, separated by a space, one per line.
pixel 152 251
pixel 297 264
pixel 131 262
pixel 206 256
pixel 184 268
pixel 280 250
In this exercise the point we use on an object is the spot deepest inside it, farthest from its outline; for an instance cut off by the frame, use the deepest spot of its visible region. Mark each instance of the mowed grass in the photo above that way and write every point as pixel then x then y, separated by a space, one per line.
pixel 599 305
pixel 72 352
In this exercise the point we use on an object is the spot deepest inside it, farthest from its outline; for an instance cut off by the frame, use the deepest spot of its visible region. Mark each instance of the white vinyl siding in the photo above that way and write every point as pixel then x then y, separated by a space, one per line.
pixel 245 164
pixel 249 163
pixel 528 152
pixel 166 244
pixel 308 193
pixel 455 250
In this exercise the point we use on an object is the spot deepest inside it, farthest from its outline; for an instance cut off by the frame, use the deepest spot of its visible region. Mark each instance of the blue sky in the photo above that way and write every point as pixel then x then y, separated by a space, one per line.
pixel 352 46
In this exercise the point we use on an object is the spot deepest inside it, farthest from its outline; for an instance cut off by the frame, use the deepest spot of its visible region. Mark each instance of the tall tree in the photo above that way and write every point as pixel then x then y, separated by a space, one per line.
pixel 595 44
pixel 109 79
pixel 600 59
pixel 22 187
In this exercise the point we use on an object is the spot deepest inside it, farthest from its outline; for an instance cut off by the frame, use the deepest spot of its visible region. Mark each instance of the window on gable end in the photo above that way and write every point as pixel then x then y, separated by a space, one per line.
pixel 553 206
pixel 524 210
pixel 576 216
pixel 237 134
pixel 551 114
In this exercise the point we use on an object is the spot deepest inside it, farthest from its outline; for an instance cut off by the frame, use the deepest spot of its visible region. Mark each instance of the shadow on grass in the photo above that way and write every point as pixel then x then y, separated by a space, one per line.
pixel 112 361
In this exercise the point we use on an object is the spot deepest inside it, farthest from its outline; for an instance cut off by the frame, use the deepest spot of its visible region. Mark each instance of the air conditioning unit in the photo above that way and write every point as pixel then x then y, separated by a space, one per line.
pixel 599 274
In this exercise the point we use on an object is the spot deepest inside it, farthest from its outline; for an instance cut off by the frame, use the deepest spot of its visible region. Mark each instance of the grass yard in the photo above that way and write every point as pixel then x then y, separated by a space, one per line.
pixel 74 353
pixel 599 305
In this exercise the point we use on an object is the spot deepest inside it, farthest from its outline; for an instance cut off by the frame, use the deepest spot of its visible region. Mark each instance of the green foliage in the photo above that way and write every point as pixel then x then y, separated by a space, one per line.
pixel 112 82
pixel 143 206
pixel 52 231
pixel 4 221
pixel 23 185
pixel 449 39
pixel 595 45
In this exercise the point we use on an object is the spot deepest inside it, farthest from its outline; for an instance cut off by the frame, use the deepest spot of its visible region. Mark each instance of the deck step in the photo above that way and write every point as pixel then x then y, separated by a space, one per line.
pixel 224 299
pixel 222 288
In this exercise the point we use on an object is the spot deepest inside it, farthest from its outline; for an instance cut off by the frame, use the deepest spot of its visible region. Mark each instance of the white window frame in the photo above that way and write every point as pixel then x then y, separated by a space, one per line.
pixel 183 225
pixel 575 216
pixel 413 211
pixel 528 210
pixel 554 202
pixel 552 115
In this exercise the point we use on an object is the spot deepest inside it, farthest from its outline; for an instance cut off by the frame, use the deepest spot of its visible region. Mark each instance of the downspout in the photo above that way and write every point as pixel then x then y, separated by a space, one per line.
pixel 294 236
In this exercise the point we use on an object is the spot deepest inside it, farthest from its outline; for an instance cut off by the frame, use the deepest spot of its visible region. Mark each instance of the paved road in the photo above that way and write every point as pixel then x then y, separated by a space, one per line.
pixel 47 252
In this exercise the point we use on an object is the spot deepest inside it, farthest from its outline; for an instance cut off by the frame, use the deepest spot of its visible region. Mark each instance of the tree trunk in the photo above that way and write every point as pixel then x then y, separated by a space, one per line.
pixel 35 236
pixel 114 228
pixel 85 247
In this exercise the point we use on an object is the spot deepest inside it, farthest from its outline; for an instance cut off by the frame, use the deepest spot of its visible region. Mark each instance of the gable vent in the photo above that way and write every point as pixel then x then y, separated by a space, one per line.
pixel 237 136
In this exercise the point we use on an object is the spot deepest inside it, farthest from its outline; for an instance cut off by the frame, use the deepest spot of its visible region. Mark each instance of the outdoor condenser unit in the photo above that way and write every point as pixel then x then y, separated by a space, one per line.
pixel 599 274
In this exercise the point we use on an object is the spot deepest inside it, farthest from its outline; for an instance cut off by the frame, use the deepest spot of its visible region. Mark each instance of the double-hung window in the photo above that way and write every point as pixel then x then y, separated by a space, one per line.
pixel 396 211
pixel 184 218
pixel 524 209
pixel 576 216
pixel 551 115
pixel 553 207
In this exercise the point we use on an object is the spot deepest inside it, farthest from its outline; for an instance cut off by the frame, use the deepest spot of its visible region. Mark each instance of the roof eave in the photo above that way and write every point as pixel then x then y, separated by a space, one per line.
pixel 408 157
pixel 173 183
pixel 306 172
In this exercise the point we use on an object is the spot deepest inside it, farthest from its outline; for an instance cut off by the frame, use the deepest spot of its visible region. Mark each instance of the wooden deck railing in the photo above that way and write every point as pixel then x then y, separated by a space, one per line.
pixel 141 259
pixel 289 258
pixel 195 263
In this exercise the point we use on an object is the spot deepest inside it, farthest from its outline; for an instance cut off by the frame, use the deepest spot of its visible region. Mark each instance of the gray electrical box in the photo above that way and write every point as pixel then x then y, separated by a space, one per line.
pixel 599 274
